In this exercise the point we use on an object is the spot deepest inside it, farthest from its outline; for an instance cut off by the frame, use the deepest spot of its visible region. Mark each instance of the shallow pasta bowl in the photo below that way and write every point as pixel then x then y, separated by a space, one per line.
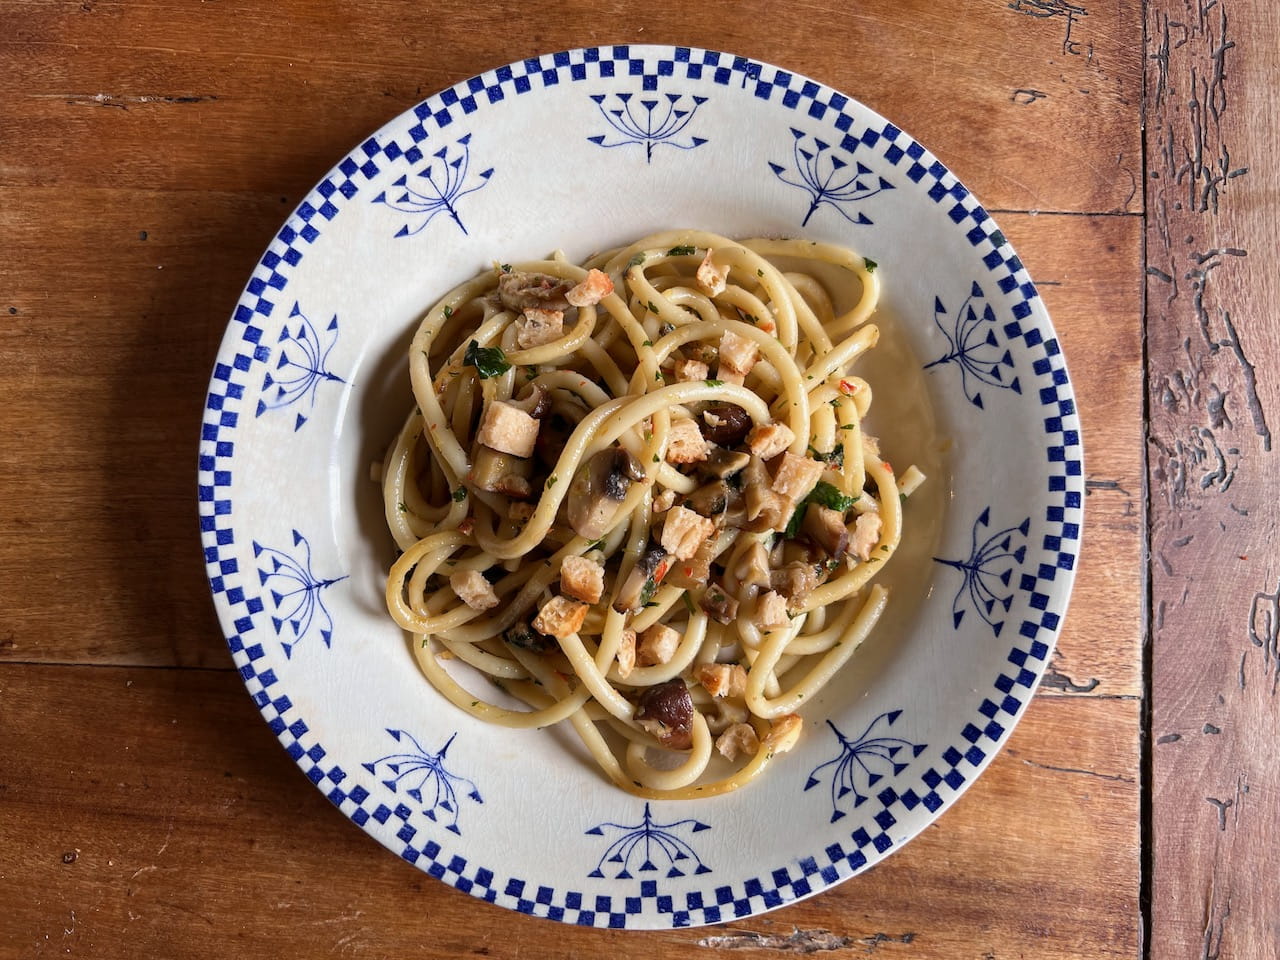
pixel 582 151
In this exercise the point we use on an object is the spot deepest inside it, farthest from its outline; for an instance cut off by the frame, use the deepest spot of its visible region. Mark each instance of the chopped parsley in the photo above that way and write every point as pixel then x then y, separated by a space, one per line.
pixel 647 343
pixel 714 383
pixel 551 481
pixel 656 458
pixel 488 361
pixel 688 601
pixel 653 307
pixel 829 496
pixel 636 260
pixel 870 264
pixel 403 508
pixel 459 495
pixel 683 251
pixel 505 267
pixel 647 591
pixel 448 312
pixel 759 273
pixel 835 456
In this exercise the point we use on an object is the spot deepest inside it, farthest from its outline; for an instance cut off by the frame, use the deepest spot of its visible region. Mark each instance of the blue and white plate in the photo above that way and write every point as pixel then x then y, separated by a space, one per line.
pixel 581 151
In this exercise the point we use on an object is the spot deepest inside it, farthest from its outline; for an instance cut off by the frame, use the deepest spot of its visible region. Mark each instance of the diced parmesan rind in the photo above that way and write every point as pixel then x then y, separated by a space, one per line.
pixel 685 443
pixel 627 654
pixel 767 440
pixel 560 617
pixel 866 534
pixel 737 354
pixel 783 733
pixel 535 327
pixel 691 371
pixel 796 476
pixel 712 276
pixel 582 579
pixel 683 531
pixel 739 740
pixel 474 590
pixel 508 429
pixel 722 679
pixel 592 290
pixel 656 645
pixel 771 610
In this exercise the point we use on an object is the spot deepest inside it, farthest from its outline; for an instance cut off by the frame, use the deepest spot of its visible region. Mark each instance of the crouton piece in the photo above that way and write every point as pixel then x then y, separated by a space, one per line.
pixel 627 654
pixel 474 590
pixel 712 275
pixel 683 532
pixel 771 610
pixel 508 429
pixel 691 370
pixel 582 579
pixel 737 354
pixel 826 528
pixel 722 679
pixel 685 443
pixel 592 290
pixel 739 740
pixel 796 476
pixel 767 440
pixel 663 501
pixel 866 534
pixel 783 733
pixel 560 617
pixel 657 645
pixel 535 327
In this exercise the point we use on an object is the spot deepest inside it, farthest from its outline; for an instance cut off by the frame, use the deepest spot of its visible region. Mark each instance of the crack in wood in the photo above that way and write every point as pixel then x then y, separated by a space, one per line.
pixel 1115 777
pixel 1169 738
pixel 800 941
pixel 1222 806
pixel 1264 632
pixel 123 102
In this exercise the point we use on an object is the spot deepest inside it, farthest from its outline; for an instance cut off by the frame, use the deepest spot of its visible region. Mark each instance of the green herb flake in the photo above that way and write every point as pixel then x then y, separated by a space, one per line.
pixel 653 307
pixel 656 458
pixel 793 525
pixel 647 591
pixel 636 260
pixel 647 343
pixel 870 264
pixel 902 498
pixel 505 268
pixel 828 496
pixel 714 383
pixel 448 312
pixel 403 508
pixel 834 401
pixel 688 601
pixel 657 376
pixel 488 361
pixel 759 273
pixel 681 251
pixel 847 426
pixel 459 495
pixel 551 481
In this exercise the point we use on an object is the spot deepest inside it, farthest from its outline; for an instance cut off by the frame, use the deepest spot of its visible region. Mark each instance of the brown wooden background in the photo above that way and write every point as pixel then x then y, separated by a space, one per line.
pixel 148 152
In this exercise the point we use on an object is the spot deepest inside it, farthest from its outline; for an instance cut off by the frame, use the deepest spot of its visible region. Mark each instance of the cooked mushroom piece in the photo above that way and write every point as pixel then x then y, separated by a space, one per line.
pixel 598 489
pixel 719 606
pixel 519 291
pixel 795 581
pixel 666 711
pixel 710 500
pixel 827 529
pixel 491 470
pixel 725 423
pixel 536 401
pixel 642 581
pixel 526 638
pixel 723 464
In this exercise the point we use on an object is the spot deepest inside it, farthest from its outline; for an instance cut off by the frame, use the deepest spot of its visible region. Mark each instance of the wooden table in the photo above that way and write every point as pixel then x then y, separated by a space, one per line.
pixel 148 151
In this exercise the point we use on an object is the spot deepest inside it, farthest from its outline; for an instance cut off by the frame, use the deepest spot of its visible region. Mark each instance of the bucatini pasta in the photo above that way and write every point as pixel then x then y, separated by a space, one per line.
pixel 636 494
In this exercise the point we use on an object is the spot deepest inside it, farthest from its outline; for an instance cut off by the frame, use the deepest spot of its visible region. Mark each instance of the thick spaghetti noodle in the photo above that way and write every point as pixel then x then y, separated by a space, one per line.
pixel 636 494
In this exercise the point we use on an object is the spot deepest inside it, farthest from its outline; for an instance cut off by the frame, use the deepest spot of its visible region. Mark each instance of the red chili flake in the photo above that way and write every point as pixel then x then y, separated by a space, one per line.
pixel 848 388
pixel 466 526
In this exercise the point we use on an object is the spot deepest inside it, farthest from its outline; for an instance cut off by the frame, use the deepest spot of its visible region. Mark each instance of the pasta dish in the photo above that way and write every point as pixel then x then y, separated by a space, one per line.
pixel 635 494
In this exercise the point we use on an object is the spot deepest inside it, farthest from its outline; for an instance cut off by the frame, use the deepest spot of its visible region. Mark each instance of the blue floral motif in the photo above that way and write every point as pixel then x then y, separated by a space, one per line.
pixel 973 346
pixel 648 841
pixel 657 122
pixel 838 185
pixel 990 563
pixel 426 770
pixel 440 190
pixel 300 367
pixel 295 593
pixel 869 758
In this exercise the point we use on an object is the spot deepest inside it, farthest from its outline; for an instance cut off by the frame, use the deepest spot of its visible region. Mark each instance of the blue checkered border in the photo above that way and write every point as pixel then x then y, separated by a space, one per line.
pixel 938 784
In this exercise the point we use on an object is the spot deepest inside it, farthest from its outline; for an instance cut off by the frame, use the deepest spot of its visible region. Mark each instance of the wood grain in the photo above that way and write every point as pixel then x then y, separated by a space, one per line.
pixel 1214 339
pixel 149 153
pixel 187 821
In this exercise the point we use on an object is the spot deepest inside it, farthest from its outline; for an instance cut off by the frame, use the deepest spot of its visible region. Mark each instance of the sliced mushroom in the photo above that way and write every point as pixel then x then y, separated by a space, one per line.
pixel 536 401
pixel 642 581
pixel 494 471
pixel 526 638
pixel 795 581
pixel 666 711
pixel 598 489
pixel 723 464
pixel 710 500
pixel 519 291
pixel 725 423
pixel 753 567
pixel 719 606
pixel 826 528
